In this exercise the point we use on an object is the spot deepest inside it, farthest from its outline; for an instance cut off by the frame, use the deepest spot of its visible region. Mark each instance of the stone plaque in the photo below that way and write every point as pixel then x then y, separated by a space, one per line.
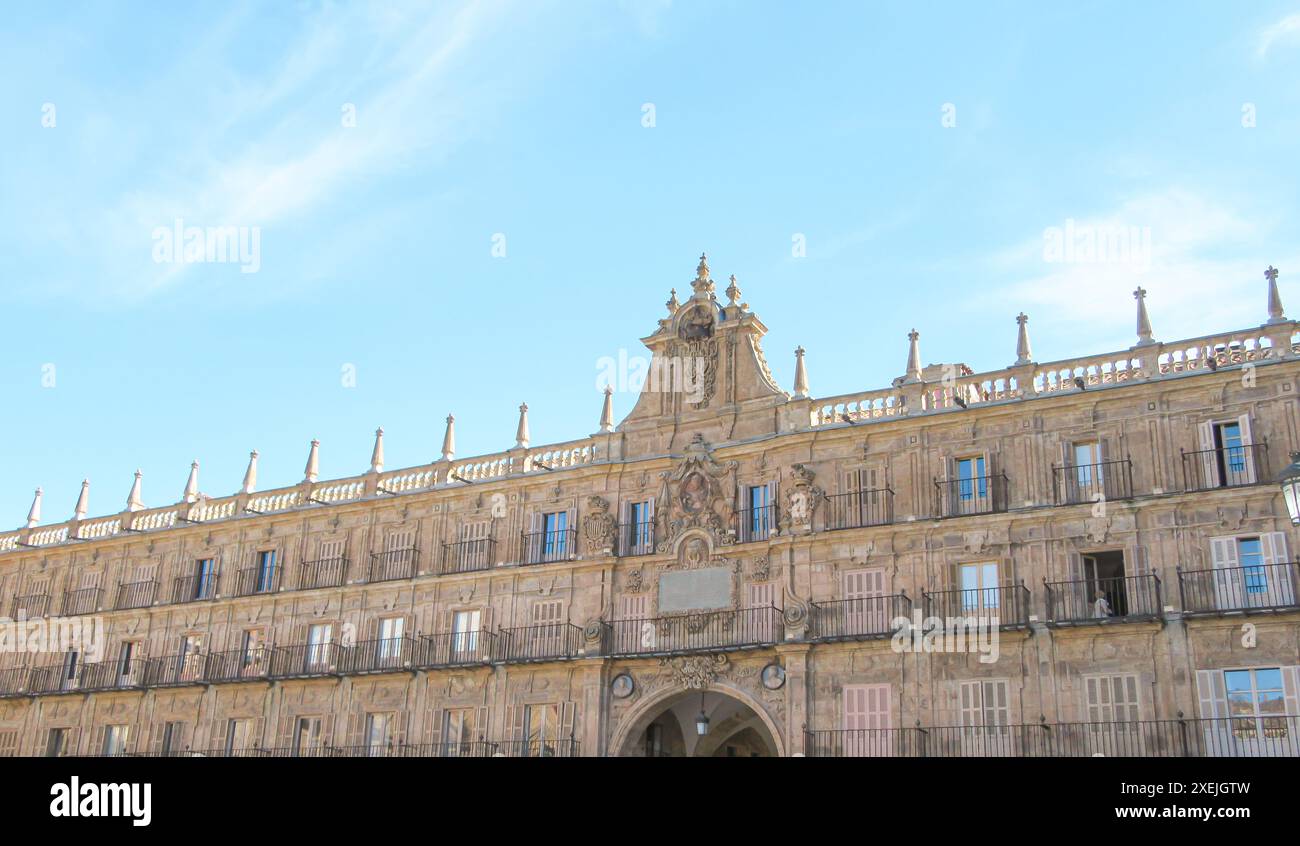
pixel 695 590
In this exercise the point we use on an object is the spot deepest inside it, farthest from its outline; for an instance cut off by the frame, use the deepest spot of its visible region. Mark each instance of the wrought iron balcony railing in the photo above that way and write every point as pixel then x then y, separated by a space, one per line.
pixel 393 565
pixel 322 573
pixel 1100 600
pixel 251 581
pixel 196 588
pixel 1078 483
pixel 136 595
pixel 114 674
pixel 635 539
pixel 1258 587
pixel 305 660
pixel 31 605
pixel 857 509
pixel 14 681
pixel 863 617
pixel 81 601
pixel 57 677
pixel 1225 467
pixel 756 524
pixel 1007 606
pixel 236 665
pixel 175 670
pixel 1225 737
pixel 381 655
pixel 698 631
pixel 975 495
pixel 468 556
pixel 536 748
pixel 548 546
pixel 545 642
pixel 456 649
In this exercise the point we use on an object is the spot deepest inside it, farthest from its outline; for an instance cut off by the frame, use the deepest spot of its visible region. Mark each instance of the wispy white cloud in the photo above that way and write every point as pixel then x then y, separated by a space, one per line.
pixel 1283 33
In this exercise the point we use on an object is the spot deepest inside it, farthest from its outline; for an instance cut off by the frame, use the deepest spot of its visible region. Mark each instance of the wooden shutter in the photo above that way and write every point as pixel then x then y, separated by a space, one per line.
pixel 568 720
pixel 1111 699
pixel 633 606
pixel 1248 454
pixel 547 613
pixel 867 706
pixel 1209 468
pixel 1227 582
pixel 984 703
pixel 1280 590
pixel 1212 693
pixel 862 584
pixel 1291 693
pixel 8 744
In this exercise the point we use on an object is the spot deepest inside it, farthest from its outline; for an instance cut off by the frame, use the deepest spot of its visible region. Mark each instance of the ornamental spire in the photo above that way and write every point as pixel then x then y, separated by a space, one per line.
pixel 192 484
pixel 133 500
pixel 449 440
pixel 1143 320
pixel 34 513
pixel 83 501
pixel 800 375
pixel 377 454
pixel 250 475
pixel 1024 355
pixel 312 472
pixel 702 284
pixel 1275 313
pixel 607 411
pixel 521 433
pixel 733 292
pixel 913 357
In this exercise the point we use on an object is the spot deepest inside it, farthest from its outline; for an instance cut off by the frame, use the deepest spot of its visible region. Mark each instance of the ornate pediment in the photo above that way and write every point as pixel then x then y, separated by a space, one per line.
pixel 696 496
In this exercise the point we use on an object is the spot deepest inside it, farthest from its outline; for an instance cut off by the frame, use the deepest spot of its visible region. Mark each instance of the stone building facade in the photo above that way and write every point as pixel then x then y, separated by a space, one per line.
pixel 722 573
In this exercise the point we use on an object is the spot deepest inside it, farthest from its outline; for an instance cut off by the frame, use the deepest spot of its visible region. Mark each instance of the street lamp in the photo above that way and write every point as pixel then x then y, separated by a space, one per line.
pixel 1290 481
pixel 702 721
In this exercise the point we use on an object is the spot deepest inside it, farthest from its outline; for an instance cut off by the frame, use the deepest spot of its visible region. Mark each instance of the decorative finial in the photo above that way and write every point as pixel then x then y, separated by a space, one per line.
pixel 733 292
pixel 192 484
pixel 377 454
pixel 521 433
pixel 1275 313
pixel 83 501
pixel 250 475
pixel 1024 355
pixel 672 303
pixel 702 284
pixel 702 269
pixel 1143 321
pixel 607 411
pixel 913 357
pixel 312 472
pixel 800 375
pixel 133 500
pixel 449 440
pixel 34 513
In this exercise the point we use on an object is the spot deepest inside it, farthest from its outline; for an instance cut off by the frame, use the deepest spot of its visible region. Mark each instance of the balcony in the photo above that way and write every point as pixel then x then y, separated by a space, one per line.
pixel 545 547
pixel 1225 467
pixel 1229 737
pixel 456 649
pixel 251 581
pixel 1006 606
pixel 535 748
pixel 117 674
pixel 238 665
pixel 468 556
pixel 136 595
pixel 306 660
pixel 546 642
pixel 1261 587
pixel 55 678
pixel 702 631
pixel 1080 483
pixel 635 539
pixel 81 601
pixel 1128 598
pixel 14 681
pixel 32 605
pixel 176 670
pixel 861 618
pixel 382 655
pixel 755 524
pixel 196 588
pixel 858 509
pixel 322 573
pixel 975 495
pixel 393 565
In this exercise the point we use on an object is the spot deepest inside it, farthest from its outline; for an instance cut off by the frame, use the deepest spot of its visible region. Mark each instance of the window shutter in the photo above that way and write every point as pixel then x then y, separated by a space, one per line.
pixel 436 719
pixel 1248 454
pixel 568 717
pixel 1280 590
pixel 481 724
pixel 1291 693
pixel 1209 466
pixel 1227 582
pixel 356 723
pixel 98 748
pixel 1212 693
pixel 867 706
pixel 515 716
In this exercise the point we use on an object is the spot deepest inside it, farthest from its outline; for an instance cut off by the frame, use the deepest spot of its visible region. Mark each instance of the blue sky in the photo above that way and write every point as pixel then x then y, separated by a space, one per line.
pixel 921 153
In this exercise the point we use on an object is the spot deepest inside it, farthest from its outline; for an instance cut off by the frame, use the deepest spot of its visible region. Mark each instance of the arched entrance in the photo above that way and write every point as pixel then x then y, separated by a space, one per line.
pixel 667 727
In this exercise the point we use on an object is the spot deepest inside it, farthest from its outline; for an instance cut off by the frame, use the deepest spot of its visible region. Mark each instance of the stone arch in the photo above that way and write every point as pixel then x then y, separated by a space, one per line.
pixel 634 724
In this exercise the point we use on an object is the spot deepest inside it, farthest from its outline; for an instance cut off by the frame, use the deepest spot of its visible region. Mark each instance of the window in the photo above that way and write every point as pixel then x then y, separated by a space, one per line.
pixel 309 736
pixel 377 740
pixel 205 579
pixel 865 609
pixel 389 647
pixel 190 664
pixel 56 743
pixel 971 482
pixel 319 640
pixel 68 677
pixel 1226 455
pixel 474 551
pixel 867 720
pixel 640 529
pixel 238 736
pixel 759 519
pixel 115 740
pixel 1249 572
pixel 542 730
pixel 546 636
pixel 761 595
pixel 1086 473
pixel 1111 699
pixel 265 580
pixel 979 587
pixel 125 660
pixel 464 635
pixel 985 717
pixel 251 652
pixel 555 538
pixel 1249 712
pixel 173 735
pixel 458 731
pixel 8 744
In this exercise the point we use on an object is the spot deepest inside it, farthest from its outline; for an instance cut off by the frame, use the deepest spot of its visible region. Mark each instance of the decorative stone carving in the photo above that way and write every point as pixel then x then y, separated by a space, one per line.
pixel 696 672
pixel 598 527
pixel 975 542
pixel 635 581
pixel 801 500
pixel 1097 528
pixel 695 498
pixel 796 616
pixel 762 569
